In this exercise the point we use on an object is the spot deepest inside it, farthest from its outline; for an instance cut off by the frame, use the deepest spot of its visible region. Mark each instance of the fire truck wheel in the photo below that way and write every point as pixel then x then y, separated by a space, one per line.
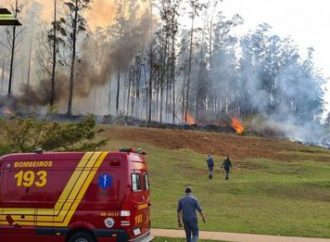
pixel 81 237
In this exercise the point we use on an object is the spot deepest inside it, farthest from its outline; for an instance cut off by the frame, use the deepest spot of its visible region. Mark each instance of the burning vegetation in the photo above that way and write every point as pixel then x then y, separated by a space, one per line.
pixel 189 119
pixel 151 70
pixel 237 125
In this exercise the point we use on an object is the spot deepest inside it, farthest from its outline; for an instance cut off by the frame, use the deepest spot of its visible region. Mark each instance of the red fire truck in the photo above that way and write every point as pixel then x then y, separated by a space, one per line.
pixel 74 197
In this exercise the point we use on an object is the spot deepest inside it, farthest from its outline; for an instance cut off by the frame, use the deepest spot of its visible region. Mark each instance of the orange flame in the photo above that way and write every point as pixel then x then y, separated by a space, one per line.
pixel 8 111
pixel 190 119
pixel 237 125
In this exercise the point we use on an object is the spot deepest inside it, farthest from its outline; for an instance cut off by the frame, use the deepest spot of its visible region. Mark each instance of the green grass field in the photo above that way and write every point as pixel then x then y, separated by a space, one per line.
pixel 263 196
pixel 286 199
pixel 276 187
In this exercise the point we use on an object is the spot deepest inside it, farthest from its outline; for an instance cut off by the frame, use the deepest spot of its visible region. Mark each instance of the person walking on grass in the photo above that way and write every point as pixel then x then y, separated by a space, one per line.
pixel 186 213
pixel 210 165
pixel 226 165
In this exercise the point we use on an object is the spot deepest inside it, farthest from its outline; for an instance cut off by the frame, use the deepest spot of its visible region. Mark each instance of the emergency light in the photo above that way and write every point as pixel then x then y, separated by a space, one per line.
pixel 7 19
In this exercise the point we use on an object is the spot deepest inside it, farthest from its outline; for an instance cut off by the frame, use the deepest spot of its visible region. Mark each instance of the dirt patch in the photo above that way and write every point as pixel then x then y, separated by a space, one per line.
pixel 237 146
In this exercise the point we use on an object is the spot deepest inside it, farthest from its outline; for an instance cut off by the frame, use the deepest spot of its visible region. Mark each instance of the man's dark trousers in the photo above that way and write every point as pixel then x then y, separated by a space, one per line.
pixel 191 229
pixel 227 173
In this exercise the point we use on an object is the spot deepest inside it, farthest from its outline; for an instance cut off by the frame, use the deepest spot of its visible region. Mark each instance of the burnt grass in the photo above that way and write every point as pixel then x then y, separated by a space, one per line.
pixel 238 147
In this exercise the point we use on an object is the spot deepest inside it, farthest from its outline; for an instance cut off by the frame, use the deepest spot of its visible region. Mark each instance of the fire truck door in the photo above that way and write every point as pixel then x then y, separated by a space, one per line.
pixel 17 217
pixel 45 227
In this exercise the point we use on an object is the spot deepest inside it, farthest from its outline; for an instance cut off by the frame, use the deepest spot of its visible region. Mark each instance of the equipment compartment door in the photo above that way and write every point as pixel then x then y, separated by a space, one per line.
pixel 17 218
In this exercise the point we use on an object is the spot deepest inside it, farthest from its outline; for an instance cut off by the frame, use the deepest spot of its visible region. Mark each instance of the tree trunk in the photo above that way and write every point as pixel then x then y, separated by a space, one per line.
pixel 52 94
pixel 29 64
pixel 161 104
pixel 133 98
pixel 189 67
pixel 183 105
pixel 73 59
pixel 167 97
pixel 162 79
pixel 173 102
pixel 150 85
pixel 151 65
pixel 173 78
pixel 138 84
pixel 118 92
pixel 168 83
pixel 2 75
pixel 146 92
pixel 156 110
pixel 129 93
pixel 138 80
pixel 109 97
pixel 12 60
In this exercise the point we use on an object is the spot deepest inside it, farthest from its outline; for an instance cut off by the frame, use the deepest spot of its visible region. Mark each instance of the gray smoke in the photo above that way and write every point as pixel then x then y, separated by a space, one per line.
pixel 101 55
pixel 287 93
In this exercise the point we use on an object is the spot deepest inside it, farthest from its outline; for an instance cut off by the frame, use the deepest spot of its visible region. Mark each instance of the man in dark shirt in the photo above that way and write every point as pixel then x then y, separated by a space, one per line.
pixel 186 211
pixel 210 165
pixel 226 165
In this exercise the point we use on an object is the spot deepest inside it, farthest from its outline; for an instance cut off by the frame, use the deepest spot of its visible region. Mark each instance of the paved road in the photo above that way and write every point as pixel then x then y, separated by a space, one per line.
pixel 235 237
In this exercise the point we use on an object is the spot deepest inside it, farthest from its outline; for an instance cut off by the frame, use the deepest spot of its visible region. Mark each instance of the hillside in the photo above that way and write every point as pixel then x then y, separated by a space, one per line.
pixel 239 147
pixel 276 187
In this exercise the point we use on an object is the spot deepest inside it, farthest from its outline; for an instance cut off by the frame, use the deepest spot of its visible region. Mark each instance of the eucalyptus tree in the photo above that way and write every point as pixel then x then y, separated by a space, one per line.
pixel 216 62
pixel 254 75
pixel 223 64
pixel 55 39
pixel 175 13
pixel 3 72
pixel 76 24
pixel 139 44
pixel 203 80
pixel 13 34
pixel 125 49
pixel 150 86
pixel 52 95
pixel 300 93
pixel 3 61
pixel 196 8
pixel 276 81
pixel 167 53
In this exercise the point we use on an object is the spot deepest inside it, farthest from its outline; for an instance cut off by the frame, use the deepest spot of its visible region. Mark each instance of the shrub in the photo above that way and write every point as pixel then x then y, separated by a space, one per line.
pixel 27 134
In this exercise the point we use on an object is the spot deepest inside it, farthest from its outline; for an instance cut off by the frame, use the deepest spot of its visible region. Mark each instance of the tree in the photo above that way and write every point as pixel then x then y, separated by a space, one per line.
pixel 124 43
pixel 166 53
pixel 201 92
pixel 299 89
pixel 3 66
pixel 16 7
pixel 129 62
pixel 174 27
pixel 273 71
pixel 76 24
pixel 55 40
pixel 25 135
pixel 258 68
pixel 150 62
pixel 52 95
pixel 195 9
